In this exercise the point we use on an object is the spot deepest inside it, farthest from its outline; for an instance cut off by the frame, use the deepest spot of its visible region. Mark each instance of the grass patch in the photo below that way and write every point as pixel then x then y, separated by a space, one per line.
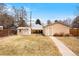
pixel 34 45
pixel 72 43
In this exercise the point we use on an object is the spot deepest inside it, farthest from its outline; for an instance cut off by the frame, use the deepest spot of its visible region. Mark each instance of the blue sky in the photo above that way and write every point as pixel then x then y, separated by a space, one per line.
pixel 50 11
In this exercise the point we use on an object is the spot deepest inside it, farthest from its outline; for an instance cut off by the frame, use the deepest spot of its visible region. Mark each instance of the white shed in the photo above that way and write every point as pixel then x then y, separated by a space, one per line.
pixel 24 31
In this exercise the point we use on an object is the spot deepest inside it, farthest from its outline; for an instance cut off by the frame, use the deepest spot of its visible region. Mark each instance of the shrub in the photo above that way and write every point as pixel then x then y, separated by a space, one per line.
pixel 61 34
pixel 57 34
pixel 66 34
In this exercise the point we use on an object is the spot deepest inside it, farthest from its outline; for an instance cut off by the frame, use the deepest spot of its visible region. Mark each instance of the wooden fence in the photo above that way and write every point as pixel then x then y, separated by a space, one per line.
pixel 6 32
pixel 74 31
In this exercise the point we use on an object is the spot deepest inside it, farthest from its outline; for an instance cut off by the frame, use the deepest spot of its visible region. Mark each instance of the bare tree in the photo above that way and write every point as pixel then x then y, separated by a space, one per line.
pixel 23 13
pixel 3 8
pixel 21 23
pixel 75 23
pixel 16 15
pixel 6 20
pixel 20 14
pixel 67 21
pixel 49 22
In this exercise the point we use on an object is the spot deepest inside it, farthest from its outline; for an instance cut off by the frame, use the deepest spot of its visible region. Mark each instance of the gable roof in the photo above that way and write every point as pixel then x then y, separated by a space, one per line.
pixel 56 23
pixel 37 27
pixel 23 27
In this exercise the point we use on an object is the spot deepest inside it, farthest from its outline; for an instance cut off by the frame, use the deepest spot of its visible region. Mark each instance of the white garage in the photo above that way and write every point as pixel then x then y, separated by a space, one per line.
pixel 24 31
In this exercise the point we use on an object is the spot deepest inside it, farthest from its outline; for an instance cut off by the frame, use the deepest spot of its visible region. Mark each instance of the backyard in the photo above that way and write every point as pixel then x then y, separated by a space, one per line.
pixel 71 42
pixel 34 45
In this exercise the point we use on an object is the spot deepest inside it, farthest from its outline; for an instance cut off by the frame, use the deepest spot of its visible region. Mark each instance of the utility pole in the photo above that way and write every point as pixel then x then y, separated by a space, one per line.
pixel 30 19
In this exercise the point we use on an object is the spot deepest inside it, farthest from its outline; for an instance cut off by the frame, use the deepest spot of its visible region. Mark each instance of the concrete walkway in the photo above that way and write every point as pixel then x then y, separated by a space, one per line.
pixel 62 48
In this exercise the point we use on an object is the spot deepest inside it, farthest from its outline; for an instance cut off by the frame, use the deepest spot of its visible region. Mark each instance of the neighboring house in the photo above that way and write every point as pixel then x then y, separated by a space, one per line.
pixel 56 28
pixel 24 31
pixel 36 28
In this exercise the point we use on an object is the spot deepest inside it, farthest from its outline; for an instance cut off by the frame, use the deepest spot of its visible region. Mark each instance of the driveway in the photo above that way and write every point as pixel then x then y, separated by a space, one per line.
pixel 65 51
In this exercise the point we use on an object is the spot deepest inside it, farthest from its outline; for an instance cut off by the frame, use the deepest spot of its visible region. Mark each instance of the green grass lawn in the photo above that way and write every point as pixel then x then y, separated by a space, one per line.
pixel 34 45
pixel 72 43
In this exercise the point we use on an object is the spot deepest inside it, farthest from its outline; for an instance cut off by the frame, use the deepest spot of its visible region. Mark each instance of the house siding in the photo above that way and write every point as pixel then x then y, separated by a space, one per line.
pixel 56 28
pixel 59 28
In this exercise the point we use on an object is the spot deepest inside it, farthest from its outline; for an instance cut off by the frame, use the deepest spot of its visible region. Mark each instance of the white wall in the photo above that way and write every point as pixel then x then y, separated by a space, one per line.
pixel 26 31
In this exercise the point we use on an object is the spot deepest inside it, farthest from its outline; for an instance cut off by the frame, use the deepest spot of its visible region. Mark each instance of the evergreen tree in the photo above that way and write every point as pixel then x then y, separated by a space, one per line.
pixel 38 22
